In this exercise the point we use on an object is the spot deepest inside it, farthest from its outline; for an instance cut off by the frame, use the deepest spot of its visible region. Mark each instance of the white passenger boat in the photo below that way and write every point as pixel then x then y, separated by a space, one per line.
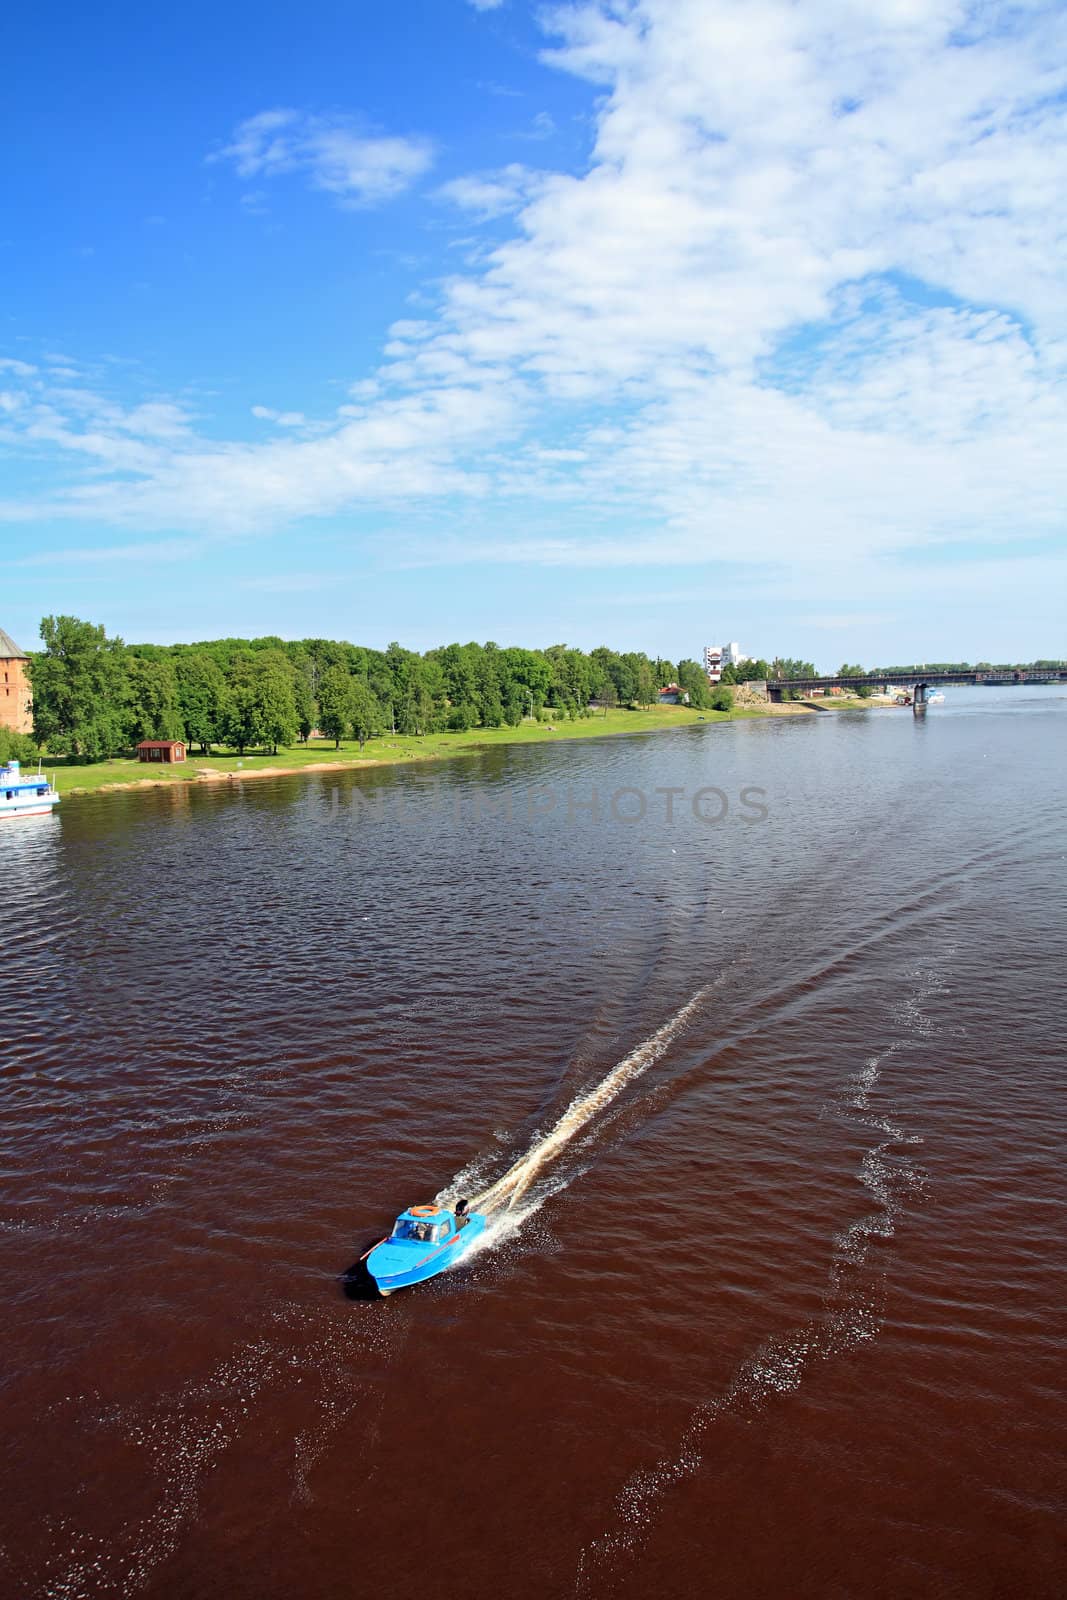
pixel 25 794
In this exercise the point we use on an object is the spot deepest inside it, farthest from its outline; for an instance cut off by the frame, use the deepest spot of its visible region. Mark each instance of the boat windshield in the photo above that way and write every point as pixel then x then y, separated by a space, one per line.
pixel 424 1232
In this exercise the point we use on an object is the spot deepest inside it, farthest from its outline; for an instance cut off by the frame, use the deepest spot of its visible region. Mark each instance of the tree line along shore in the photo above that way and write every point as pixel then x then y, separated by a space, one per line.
pixel 95 698
pixel 241 701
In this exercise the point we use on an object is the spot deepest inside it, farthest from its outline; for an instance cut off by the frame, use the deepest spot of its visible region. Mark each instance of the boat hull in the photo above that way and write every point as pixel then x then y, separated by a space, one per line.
pixel 398 1264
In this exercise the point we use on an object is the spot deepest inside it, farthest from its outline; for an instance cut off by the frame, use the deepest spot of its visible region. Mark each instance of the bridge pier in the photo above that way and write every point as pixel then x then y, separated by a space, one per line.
pixel 918 700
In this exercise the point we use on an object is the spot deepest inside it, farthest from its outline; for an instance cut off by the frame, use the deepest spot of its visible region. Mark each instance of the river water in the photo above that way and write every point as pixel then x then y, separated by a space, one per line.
pixel 765 1023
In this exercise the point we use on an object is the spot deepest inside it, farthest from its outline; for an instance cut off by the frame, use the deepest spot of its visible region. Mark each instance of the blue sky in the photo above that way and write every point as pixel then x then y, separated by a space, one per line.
pixel 648 322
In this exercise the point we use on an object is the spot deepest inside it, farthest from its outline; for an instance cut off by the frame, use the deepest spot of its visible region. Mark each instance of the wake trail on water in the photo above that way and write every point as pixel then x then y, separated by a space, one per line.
pixel 505 1194
pixel 853 1299
pixel 507 1201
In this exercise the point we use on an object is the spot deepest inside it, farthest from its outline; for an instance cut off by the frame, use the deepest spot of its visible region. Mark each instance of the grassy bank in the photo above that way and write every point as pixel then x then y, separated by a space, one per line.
pixel 389 749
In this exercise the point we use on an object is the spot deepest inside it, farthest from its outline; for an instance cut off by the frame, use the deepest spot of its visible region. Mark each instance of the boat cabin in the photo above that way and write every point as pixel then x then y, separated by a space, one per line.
pixel 12 784
pixel 425 1225
pixel 24 794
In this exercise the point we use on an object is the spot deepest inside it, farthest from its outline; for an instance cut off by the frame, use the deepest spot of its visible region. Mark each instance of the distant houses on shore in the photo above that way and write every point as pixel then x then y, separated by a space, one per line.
pixel 673 695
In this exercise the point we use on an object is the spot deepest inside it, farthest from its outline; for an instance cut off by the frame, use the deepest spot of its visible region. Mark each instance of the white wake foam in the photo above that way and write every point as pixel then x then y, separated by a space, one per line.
pixel 506 1193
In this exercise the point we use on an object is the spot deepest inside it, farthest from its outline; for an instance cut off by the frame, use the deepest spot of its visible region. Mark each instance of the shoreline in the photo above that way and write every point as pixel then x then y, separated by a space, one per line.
pixel 662 719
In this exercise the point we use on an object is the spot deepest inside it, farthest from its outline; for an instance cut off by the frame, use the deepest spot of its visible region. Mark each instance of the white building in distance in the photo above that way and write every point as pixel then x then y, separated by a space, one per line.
pixel 717 656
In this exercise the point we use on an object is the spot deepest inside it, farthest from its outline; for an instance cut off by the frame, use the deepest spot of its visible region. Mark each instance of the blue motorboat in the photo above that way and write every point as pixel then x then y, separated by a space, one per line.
pixel 425 1240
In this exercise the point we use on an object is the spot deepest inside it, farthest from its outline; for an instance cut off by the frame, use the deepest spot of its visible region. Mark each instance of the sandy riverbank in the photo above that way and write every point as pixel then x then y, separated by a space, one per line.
pixel 215 775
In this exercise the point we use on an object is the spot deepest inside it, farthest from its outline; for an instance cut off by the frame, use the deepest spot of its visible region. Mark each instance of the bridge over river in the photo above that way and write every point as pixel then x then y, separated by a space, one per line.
pixel 917 680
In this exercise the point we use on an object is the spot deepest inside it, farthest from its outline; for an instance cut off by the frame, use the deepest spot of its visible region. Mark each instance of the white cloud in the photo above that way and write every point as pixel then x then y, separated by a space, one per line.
pixel 333 153
pixel 729 197
pixel 803 300
pixel 542 127
pixel 492 194
pixel 400 448
pixel 284 419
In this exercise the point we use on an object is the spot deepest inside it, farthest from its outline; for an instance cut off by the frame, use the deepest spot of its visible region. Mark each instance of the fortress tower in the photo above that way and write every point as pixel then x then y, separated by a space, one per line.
pixel 16 696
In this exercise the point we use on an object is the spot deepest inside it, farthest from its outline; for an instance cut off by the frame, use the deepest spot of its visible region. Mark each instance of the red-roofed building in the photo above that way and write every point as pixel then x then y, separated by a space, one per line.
pixel 161 750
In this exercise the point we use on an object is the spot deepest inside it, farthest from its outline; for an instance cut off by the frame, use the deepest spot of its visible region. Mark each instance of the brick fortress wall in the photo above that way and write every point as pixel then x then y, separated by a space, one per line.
pixel 15 695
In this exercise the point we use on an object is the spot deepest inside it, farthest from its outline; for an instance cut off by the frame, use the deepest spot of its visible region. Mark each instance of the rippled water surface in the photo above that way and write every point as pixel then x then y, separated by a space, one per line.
pixel 769 1101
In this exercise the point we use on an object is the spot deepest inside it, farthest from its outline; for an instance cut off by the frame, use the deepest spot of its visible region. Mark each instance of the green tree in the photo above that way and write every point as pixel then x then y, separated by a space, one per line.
pixel 278 698
pixel 78 682
pixel 16 747
pixel 305 678
pixel 460 665
pixel 462 717
pixel 620 670
pixel 606 693
pixel 644 680
pixel 335 693
pixel 492 711
pixel 153 710
pixel 402 672
pixel 261 704
pixel 489 672
pixel 420 704
pixel 201 697
pixel 528 678
pixel 364 712
pixel 694 680
pixel 244 724
pixel 573 676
